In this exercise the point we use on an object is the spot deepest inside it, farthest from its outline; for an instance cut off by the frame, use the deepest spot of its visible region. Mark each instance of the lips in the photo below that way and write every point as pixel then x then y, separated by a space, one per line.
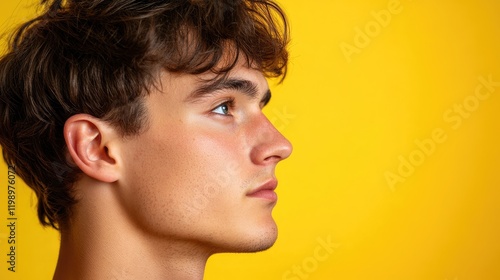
pixel 265 191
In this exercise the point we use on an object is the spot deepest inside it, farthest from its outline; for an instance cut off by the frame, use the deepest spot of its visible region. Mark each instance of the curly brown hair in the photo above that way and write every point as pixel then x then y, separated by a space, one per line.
pixel 100 57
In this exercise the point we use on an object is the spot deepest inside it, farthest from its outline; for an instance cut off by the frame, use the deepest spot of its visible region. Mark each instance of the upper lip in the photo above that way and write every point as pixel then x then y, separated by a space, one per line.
pixel 269 185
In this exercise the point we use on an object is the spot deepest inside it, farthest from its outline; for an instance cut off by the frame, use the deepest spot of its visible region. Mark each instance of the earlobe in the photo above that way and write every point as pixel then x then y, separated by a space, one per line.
pixel 91 146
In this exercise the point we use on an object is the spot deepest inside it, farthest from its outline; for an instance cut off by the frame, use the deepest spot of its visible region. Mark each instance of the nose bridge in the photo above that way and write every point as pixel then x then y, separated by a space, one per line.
pixel 269 145
pixel 268 130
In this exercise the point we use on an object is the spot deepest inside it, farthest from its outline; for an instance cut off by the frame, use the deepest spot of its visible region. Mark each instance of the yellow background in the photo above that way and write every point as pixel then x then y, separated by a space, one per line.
pixel 351 117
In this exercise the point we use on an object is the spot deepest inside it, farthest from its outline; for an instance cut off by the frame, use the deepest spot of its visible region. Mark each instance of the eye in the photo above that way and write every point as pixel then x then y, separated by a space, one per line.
pixel 223 108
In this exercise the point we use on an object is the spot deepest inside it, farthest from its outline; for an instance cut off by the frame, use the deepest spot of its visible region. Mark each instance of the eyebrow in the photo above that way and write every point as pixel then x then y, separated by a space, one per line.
pixel 243 86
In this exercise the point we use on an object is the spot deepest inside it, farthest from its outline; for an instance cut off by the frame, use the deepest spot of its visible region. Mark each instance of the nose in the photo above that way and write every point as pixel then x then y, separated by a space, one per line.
pixel 269 145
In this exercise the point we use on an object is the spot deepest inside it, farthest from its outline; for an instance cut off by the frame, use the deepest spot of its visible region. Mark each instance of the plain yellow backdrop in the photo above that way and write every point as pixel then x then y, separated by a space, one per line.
pixel 393 108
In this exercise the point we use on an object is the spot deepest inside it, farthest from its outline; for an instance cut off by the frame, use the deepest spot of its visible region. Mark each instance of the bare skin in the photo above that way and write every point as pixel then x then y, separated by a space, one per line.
pixel 159 204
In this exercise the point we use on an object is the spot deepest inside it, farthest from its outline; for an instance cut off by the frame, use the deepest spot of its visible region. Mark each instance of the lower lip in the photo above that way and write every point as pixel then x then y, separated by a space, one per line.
pixel 265 194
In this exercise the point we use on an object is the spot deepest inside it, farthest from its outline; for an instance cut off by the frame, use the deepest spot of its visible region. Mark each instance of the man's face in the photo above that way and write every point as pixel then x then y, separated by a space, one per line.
pixel 192 175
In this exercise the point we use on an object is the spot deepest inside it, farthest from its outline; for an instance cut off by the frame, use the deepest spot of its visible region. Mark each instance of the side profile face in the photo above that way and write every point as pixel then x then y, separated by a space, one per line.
pixel 192 174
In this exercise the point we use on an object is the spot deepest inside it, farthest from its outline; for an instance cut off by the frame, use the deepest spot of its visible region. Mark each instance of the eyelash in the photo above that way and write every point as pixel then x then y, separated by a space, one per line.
pixel 230 105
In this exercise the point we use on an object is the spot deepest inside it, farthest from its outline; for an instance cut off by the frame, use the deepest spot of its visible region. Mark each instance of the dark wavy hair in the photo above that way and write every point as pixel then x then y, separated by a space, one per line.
pixel 100 57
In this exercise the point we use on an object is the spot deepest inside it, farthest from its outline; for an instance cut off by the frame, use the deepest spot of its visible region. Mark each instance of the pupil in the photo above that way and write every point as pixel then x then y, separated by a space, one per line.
pixel 225 109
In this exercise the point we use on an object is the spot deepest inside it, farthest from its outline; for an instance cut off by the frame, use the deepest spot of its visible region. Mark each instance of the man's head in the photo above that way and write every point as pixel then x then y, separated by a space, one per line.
pixel 141 94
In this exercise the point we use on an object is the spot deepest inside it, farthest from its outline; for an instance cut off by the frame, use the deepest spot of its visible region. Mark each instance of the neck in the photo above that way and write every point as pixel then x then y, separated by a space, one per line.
pixel 101 243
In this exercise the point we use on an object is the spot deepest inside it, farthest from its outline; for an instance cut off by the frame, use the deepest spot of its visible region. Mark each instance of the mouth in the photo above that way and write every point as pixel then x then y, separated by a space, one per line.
pixel 265 191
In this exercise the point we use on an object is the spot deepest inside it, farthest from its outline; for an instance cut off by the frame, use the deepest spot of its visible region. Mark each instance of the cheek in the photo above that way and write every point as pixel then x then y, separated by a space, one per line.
pixel 172 183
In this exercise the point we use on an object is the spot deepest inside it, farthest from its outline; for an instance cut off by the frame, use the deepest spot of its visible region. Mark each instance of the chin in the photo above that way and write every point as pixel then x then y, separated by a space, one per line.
pixel 246 240
pixel 262 245
pixel 259 240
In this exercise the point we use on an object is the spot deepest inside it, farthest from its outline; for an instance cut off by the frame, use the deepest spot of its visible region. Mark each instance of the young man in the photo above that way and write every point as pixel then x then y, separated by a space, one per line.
pixel 139 126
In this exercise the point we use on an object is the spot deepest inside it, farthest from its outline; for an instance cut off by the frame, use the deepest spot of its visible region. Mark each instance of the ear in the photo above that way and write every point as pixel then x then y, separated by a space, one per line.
pixel 92 144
